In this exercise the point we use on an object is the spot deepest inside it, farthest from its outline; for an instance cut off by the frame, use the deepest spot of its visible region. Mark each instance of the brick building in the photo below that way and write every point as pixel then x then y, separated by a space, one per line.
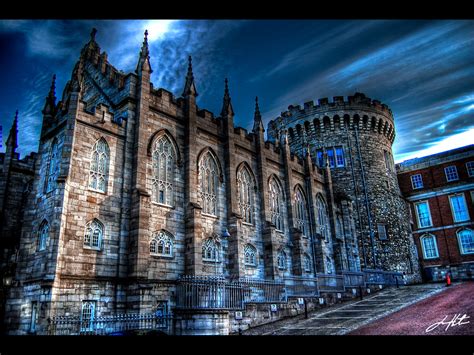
pixel 134 187
pixel 440 189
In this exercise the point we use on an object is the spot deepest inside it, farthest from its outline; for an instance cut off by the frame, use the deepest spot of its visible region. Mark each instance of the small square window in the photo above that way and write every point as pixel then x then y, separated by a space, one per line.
pixel 417 181
pixel 470 168
pixel 451 173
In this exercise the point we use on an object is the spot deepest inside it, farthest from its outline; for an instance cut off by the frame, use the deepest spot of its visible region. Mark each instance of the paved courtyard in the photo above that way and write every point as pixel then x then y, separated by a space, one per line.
pixel 417 318
pixel 391 311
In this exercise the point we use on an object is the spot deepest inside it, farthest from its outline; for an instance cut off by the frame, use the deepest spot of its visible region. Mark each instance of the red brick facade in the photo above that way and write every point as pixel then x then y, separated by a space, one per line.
pixel 436 190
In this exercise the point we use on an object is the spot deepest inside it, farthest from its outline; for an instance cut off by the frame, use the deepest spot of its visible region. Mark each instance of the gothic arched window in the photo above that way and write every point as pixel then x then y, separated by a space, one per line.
pixel 281 260
pixel 163 157
pixel 307 263
pixel 43 235
pixel 323 218
pixel 250 255
pixel 210 250
pixel 99 170
pixel 301 220
pixel 209 179
pixel 94 234
pixel 52 170
pixel 339 227
pixel 246 187
pixel 276 200
pixel 161 244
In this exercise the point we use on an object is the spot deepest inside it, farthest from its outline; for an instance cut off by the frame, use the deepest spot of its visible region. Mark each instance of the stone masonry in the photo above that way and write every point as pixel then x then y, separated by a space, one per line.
pixel 121 274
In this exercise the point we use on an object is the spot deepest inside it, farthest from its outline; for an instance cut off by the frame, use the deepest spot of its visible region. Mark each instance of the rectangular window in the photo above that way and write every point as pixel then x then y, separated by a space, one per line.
pixel 459 208
pixel 451 173
pixel 87 316
pixel 382 231
pixel 340 157
pixel 416 181
pixel 470 168
pixel 430 249
pixel 34 316
pixel 330 153
pixel 423 214
pixel 320 156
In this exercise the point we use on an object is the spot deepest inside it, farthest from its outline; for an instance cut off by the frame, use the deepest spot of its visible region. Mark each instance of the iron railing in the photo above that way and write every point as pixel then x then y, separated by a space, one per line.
pixel 298 286
pixel 380 277
pixel 330 282
pixel 108 325
pixel 204 292
pixel 353 279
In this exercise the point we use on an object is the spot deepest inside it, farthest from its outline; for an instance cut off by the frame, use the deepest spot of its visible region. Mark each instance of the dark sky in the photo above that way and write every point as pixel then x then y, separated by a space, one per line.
pixel 424 70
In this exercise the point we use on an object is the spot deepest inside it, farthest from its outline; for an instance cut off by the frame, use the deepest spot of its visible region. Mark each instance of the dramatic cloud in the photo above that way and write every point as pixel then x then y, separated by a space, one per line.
pixel 424 70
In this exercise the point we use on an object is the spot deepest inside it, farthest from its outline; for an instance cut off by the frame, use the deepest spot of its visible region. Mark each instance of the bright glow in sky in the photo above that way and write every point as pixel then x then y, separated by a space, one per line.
pixel 448 143
pixel 423 70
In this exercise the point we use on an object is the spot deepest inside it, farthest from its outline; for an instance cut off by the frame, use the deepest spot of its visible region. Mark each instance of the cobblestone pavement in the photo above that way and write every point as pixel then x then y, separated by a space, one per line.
pixel 344 318
pixel 417 318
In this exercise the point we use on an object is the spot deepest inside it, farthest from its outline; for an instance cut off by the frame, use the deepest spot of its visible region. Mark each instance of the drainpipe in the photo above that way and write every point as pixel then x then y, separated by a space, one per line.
pixel 367 203
pixel 356 196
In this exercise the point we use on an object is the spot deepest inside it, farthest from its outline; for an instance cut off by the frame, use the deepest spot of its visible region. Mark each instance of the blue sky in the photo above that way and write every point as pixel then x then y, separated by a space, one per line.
pixel 424 70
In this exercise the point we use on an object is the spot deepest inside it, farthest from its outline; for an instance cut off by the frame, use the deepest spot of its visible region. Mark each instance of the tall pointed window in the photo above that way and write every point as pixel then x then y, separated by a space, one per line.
pixel 307 263
pixel 94 234
pixel 301 220
pixel 43 236
pixel 209 179
pixel 52 170
pixel 276 201
pixel 323 218
pixel 161 244
pixel 250 255
pixel 281 260
pixel 246 187
pixel 163 158
pixel 210 250
pixel 99 169
pixel 87 316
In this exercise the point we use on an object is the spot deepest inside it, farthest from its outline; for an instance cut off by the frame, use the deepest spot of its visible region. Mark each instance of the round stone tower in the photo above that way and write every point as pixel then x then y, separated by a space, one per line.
pixel 354 137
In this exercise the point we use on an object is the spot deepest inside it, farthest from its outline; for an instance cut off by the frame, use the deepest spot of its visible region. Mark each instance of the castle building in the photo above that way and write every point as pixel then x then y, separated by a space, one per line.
pixel 134 188
pixel 440 189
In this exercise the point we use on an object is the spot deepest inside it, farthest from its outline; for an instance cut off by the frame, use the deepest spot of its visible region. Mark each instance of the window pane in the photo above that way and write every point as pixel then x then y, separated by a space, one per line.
pixel 339 157
pixel 417 181
pixel 466 240
pixel 330 153
pixel 423 214
pixel 451 173
pixel 459 207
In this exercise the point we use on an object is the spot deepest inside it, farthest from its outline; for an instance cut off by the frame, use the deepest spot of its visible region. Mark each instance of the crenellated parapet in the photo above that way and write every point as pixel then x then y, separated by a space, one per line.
pixel 357 111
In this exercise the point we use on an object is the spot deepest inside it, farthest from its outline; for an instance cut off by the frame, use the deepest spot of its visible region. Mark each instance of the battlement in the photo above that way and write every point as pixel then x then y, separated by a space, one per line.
pixel 357 111
pixel 206 114
pixel 359 100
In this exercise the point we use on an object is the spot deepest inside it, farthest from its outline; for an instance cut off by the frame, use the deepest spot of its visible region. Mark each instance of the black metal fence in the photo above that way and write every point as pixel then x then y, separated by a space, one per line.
pixel 120 324
pixel 204 292
pixel 210 292
pixel 297 286
pixel 380 277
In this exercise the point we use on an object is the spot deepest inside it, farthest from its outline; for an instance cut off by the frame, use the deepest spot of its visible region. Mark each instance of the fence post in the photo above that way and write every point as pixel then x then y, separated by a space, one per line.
pixel 305 308
pixel 361 296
